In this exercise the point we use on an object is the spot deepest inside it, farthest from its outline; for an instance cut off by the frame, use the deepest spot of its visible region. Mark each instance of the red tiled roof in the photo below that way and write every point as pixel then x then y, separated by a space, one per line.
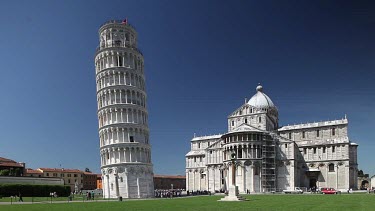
pixel 32 171
pixel 6 160
pixel 10 164
pixel 170 176
pixel 88 173
pixel 61 170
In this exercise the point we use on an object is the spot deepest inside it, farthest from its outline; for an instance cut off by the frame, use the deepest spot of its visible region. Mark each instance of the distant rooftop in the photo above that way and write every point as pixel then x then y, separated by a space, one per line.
pixel 170 176
pixel 207 137
pixel 314 124
pixel 60 170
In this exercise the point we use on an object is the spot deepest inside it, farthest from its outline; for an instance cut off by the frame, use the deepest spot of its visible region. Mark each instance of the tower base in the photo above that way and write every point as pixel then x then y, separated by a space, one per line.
pixel 233 195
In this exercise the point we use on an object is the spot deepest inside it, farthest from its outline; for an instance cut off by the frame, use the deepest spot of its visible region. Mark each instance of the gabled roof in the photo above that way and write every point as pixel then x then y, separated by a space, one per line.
pixel 195 152
pixel 245 128
pixel 214 145
pixel 32 171
pixel 6 160
pixel 9 163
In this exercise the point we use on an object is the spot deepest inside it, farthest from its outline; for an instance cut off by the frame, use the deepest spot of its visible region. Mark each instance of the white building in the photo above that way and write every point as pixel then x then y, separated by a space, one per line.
pixel 272 158
pixel 123 130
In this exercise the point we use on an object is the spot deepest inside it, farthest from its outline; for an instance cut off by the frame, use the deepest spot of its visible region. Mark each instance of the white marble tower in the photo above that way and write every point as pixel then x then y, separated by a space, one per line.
pixel 123 129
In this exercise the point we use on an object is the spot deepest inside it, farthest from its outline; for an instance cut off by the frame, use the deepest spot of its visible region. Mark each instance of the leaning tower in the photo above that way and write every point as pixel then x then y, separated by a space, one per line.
pixel 125 150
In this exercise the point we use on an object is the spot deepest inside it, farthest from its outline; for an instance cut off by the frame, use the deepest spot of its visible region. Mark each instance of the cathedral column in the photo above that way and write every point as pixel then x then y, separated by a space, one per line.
pixel 194 179
pixel 337 176
pixel 200 180
pixel 260 178
pixel 214 178
pixel 208 179
pixel 138 190
pixel 244 178
pixel 252 179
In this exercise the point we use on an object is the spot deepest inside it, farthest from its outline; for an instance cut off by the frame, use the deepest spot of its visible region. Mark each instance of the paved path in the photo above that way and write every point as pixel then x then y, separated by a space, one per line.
pixel 91 201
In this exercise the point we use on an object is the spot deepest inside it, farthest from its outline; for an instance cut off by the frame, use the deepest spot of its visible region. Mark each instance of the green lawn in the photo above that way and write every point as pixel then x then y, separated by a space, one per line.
pixel 256 202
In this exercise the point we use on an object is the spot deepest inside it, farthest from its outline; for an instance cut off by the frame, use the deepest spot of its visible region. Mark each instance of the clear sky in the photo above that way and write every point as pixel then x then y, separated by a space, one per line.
pixel 315 59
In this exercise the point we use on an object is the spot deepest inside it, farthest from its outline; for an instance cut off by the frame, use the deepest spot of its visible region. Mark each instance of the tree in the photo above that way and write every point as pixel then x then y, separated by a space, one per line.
pixel 360 173
pixel 87 170
pixel 17 172
pixel 4 172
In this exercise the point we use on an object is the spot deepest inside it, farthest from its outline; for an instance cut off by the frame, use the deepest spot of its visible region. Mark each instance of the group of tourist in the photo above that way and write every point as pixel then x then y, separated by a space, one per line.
pixel 90 196
pixel 198 192
pixel 168 193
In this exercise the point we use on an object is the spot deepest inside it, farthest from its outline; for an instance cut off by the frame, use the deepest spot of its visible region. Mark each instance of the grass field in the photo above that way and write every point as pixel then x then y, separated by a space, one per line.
pixel 256 202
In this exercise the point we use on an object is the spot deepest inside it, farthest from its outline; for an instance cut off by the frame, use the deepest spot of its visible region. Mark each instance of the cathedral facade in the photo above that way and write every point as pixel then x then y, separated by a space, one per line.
pixel 272 158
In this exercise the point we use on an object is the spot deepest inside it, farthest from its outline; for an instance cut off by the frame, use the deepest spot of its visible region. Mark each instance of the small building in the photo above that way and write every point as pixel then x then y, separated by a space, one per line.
pixel 89 181
pixel 372 182
pixel 165 182
pixel 12 168
pixel 33 173
pixel 72 177
pixel 99 181
pixel 31 180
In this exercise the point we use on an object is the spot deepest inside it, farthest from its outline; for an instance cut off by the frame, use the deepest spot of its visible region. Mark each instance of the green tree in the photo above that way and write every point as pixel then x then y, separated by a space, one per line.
pixel 17 172
pixel 4 172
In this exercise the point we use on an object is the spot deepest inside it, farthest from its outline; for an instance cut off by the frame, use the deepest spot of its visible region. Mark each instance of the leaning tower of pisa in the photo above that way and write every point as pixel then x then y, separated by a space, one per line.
pixel 125 150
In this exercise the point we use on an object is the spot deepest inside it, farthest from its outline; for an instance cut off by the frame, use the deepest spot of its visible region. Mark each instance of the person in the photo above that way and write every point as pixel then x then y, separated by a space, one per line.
pixel 20 197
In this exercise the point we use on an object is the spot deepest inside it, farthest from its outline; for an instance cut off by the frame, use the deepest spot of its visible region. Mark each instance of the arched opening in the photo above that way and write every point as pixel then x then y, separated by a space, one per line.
pixel 364 185
pixel 331 167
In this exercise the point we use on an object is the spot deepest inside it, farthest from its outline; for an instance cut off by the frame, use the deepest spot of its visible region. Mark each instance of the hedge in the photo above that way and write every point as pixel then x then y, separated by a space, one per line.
pixel 28 190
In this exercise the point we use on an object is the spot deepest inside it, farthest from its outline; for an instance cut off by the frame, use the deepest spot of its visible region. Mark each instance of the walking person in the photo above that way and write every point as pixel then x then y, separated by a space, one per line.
pixel 20 197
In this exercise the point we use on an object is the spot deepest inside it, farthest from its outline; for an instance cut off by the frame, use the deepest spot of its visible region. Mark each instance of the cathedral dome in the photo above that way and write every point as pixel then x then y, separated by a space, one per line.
pixel 261 100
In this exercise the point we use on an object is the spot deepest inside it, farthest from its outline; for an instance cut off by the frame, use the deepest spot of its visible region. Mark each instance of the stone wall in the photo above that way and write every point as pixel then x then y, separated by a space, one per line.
pixel 31 180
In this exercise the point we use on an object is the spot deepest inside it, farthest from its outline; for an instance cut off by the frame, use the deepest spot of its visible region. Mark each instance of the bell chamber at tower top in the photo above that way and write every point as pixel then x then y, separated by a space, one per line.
pixel 117 34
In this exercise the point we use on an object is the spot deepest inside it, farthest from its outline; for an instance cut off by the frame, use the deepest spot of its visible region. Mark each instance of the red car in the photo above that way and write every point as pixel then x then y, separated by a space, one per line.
pixel 329 191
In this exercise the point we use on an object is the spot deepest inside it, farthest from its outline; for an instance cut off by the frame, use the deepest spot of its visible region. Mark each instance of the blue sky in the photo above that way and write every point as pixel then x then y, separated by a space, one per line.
pixel 315 59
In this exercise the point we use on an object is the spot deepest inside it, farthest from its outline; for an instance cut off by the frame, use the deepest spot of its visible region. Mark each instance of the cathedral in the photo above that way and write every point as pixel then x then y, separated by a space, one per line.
pixel 271 158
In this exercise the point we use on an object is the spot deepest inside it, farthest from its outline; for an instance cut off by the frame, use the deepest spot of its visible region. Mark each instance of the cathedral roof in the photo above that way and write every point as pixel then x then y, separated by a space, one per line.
pixel 261 100
pixel 245 128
